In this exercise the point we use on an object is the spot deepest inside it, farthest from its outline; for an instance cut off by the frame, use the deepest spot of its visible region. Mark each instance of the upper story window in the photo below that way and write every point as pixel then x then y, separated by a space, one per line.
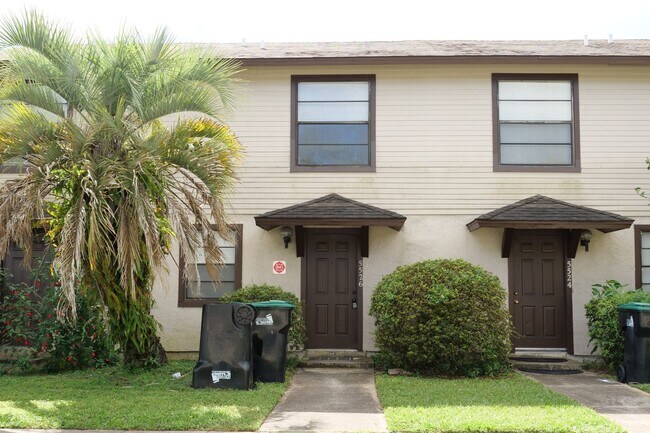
pixel 642 244
pixel 332 123
pixel 195 293
pixel 535 122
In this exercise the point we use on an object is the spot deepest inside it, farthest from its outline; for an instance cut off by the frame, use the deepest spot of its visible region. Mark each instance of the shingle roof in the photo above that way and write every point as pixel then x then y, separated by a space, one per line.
pixel 541 212
pixel 332 210
pixel 624 51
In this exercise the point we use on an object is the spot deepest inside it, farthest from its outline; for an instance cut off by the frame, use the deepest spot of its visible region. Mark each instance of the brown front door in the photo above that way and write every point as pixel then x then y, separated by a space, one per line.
pixel 332 295
pixel 537 289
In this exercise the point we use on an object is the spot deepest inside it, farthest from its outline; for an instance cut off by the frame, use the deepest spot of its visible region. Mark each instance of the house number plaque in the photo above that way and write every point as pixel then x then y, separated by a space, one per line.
pixel 360 274
pixel 569 274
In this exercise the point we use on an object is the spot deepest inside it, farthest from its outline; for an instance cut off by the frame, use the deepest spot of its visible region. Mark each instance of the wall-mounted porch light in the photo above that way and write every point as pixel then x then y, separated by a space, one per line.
pixel 286 234
pixel 585 238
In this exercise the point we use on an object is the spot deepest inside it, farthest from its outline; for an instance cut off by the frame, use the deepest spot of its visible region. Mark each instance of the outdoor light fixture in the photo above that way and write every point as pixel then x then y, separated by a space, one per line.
pixel 286 233
pixel 585 238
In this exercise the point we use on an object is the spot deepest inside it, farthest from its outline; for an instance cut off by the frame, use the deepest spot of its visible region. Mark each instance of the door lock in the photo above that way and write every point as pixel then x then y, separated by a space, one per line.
pixel 516 301
pixel 354 303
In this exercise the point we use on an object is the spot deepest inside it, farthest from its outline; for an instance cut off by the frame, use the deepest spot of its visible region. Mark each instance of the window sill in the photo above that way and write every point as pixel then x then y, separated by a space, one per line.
pixel 535 169
pixel 196 302
pixel 333 169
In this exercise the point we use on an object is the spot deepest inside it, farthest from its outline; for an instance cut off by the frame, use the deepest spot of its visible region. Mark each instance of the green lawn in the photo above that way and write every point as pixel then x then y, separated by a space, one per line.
pixel 113 399
pixel 506 405
pixel 642 386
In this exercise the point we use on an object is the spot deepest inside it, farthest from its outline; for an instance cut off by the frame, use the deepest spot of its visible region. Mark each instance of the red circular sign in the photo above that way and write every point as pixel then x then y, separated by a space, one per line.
pixel 279 267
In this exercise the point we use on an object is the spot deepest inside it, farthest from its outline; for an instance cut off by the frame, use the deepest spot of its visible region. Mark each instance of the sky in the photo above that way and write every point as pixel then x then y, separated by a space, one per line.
pixel 351 20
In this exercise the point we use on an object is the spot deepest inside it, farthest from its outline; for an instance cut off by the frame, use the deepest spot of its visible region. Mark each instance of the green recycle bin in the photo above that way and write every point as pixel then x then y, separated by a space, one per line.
pixel 270 335
pixel 634 320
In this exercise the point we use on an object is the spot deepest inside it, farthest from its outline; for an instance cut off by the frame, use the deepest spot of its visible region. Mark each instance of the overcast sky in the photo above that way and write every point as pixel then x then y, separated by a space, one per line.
pixel 347 20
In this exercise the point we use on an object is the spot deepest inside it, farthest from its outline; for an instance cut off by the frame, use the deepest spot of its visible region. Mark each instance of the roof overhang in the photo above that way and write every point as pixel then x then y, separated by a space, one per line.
pixel 271 223
pixel 540 212
pixel 602 226
pixel 622 52
pixel 445 60
pixel 331 210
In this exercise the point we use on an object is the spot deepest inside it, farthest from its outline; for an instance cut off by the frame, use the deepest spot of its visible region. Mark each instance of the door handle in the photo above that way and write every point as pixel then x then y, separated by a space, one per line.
pixel 354 303
pixel 516 301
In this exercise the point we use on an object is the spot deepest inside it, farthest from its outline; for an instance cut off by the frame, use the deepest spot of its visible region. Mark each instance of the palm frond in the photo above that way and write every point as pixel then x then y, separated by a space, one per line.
pixel 117 182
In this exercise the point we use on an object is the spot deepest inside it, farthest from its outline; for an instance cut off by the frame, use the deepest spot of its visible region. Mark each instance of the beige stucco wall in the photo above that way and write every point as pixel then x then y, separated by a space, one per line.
pixel 423 237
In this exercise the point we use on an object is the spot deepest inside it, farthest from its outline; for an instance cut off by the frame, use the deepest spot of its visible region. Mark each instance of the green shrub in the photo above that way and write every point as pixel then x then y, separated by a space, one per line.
pixel 442 317
pixel 602 319
pixel 264 292
pixel 30 331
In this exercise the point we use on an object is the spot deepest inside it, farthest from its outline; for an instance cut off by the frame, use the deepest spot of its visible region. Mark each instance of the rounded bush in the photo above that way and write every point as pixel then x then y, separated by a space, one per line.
pixel 442 317
pixel 602 319
pixel 264 292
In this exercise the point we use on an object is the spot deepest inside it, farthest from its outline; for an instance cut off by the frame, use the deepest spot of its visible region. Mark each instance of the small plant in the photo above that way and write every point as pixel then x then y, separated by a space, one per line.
pixel 264 292
pixel 442 317
pixel 602 319
pixel 30 331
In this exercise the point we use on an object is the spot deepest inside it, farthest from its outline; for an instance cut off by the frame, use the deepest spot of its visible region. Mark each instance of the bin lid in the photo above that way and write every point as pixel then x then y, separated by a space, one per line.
pixel 276 304
pixel 639 306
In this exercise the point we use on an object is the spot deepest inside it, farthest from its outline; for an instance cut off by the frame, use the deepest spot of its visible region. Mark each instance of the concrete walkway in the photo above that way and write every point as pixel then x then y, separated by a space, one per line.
pixel 329 400
pixel 627 406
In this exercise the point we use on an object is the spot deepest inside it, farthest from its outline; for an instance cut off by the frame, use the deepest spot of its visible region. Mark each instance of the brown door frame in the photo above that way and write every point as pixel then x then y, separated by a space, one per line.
pixel 303 274
pixel 568 289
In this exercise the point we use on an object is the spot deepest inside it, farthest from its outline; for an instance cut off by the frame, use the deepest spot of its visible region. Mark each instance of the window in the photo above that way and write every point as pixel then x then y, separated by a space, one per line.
pixel 535 122
pixel 19 272
pixel 332 123
pixel 642 247
pixel 194 293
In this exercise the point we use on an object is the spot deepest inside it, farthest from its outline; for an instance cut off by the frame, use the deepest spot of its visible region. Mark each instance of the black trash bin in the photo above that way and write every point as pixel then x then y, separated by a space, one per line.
pixel 225 353
pixel 634 320
pixel 270 333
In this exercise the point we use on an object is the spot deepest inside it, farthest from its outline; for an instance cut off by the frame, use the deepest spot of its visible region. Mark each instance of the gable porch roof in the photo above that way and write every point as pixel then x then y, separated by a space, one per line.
pixel 541 212
pixel 331 210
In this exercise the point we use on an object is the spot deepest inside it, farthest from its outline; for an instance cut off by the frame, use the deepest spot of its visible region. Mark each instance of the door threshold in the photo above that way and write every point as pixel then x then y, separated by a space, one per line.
pixel 541 352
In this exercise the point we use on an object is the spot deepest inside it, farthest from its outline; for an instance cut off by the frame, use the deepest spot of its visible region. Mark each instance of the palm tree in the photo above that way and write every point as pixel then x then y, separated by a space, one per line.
pixel 123 153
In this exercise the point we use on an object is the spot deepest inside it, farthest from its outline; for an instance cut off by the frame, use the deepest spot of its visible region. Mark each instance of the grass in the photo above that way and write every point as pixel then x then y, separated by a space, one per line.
pixel 642 386
pixel 112 398
pixel 509 404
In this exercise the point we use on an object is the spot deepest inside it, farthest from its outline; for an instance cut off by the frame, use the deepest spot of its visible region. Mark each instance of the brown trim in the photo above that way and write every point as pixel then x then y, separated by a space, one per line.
pixel 605 226
pixel 506 243
pixel 575 125
pixel 183 302
pixel 447 60
pixel 300 240
pixel 303 277
pixel 638 228
pixel 364 241
pixel 371 167
pixel 568 294
pixel 568 291
pixel 573 240
pixel 271 223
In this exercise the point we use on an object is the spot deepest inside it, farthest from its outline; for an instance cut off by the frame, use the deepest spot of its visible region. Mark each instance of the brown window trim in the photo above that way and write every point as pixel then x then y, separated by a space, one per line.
pixel 575 168
pixel 638 228
pixel 183 302
pixel 294 167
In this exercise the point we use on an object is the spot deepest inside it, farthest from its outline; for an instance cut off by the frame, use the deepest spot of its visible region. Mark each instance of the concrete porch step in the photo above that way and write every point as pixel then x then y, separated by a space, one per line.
pixel 545 363
pixel 326 358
